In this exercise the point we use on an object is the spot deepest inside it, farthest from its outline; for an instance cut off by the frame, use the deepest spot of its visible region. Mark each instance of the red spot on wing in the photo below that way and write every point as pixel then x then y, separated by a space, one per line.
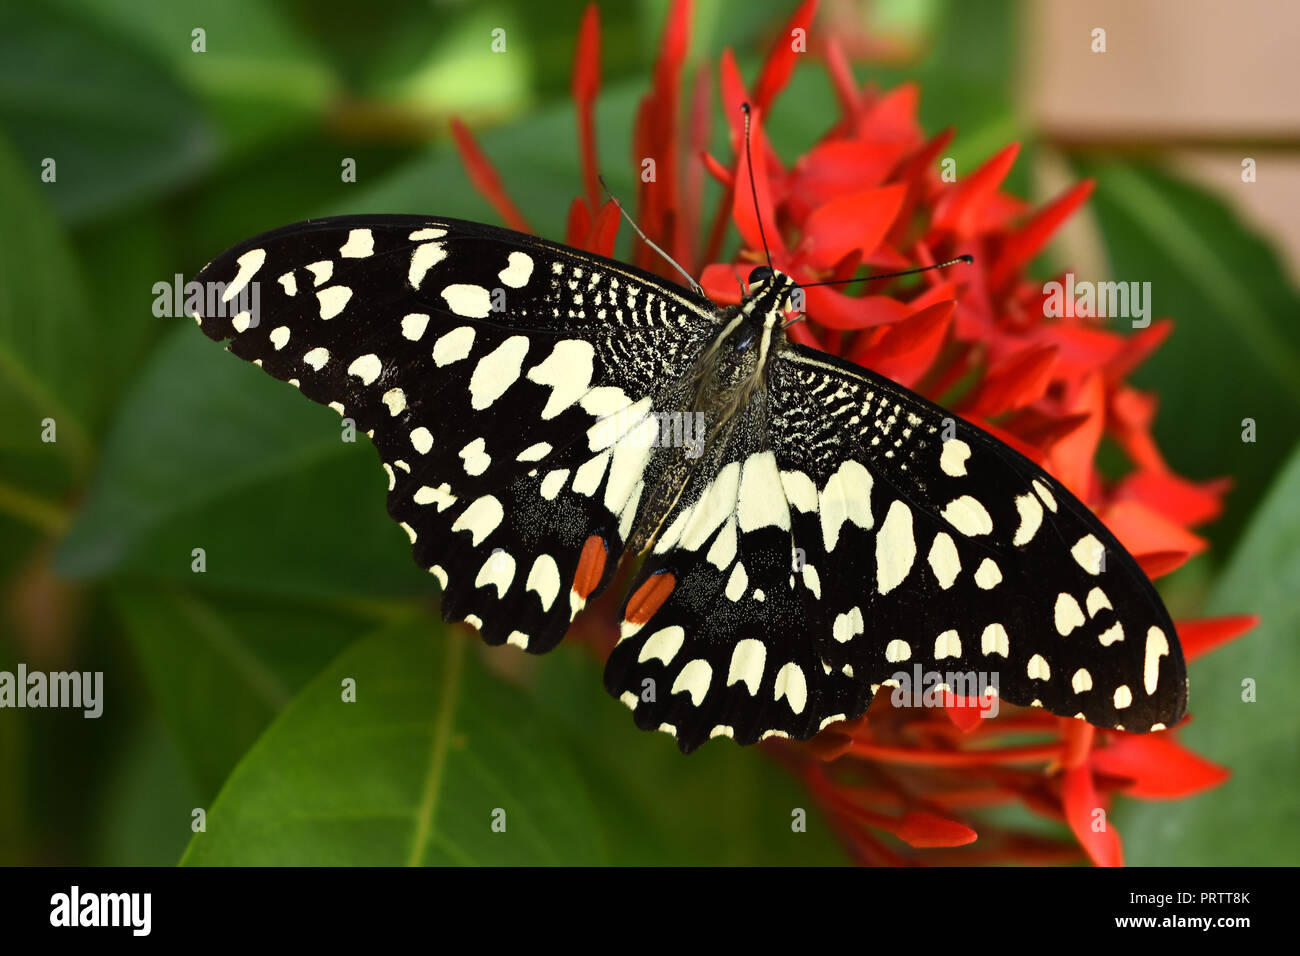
pixel 649 597
pixel 591 566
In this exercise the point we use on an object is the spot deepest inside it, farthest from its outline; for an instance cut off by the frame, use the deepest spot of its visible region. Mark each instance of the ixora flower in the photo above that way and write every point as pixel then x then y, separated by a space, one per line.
pixel 907 783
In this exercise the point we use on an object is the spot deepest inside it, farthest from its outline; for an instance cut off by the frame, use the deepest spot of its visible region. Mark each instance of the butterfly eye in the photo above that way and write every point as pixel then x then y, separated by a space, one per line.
pixel 760 274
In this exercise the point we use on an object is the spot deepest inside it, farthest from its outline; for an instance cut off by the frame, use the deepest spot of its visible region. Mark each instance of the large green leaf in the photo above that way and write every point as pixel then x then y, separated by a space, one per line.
pixel 208 452
pixel 1235 351
pixel 257 77
pixel 220 669
pixel 1252 819
pixel 414 769
pixel 112 118
pixel 412 772
pixel 47 352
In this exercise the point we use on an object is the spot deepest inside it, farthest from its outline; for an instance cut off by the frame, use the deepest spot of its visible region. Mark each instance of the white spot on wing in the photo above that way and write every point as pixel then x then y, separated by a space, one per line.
pixel 421 440
pixel 846 497
pixel 1157 647
pixel 497 371
pixel 953 457
pixel 471 301
pixel 747 660
pixel 567 370
pixel 321 271
pixel 897 651
pixel 662 645
pixel 332 300
pixel 248 263
pixel 544 579
pixel 1068 614
pixel 497 571
pixel 968 516
pixel 481 518
pixel 475 457
pixel 453 346
pixel 425 257
pixel 360 244
pixel 413 325
pixel 895 548
pixel 1031 517
pixel 1089 553
pixel 994 641
pixel 366 368
pixel 694 679
pixel 944 561
pixel 791 684
pixel 518 270
pixel 988 575
pixel 762 501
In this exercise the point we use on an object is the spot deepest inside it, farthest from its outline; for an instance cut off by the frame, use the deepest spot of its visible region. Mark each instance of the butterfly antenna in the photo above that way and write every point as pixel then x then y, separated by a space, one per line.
pixel 960 260
pixel 753 189
pixel 699 290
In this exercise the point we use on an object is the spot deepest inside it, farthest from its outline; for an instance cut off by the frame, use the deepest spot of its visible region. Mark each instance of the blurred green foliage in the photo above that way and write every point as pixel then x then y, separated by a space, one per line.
pixel 223 687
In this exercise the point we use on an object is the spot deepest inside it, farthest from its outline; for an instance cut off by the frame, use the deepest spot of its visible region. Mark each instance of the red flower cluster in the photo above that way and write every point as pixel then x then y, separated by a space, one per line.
pixel 974 338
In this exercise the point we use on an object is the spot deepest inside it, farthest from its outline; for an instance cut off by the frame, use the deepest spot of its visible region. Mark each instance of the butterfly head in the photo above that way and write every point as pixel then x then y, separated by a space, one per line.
pixel 767 298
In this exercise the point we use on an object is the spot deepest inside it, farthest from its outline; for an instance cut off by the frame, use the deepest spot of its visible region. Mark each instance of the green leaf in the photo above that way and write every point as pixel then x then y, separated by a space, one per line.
pixel 114 120
pixel 1251 820
pixel 241 659
pixel 146 803
pixel 721 805
pixel 47 334
pixel 413 772
pixel 1235 351
pixel 209 452
pixel 257 76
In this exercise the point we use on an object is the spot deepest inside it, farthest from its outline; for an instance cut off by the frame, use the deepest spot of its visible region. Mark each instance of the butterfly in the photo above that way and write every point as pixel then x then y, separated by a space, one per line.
pixel 808 531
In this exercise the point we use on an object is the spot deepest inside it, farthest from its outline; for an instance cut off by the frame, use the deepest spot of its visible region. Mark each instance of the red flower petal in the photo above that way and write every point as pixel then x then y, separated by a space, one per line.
pixel 836 167
pixel 921 829
pixel 1178 499
pixel 600 238
pixel 578 225
pixel 1014 383
pixel 1028 241
pixel 834 310
pixel 782 57
pixel 1156 564
pixel 1158 768
pixel 1144 531
pixel 742 203
pixel 1072 456
pixel 856 221
pixel 959 208
pixel 586 87
pixel 908 348
pixel 1081 802
pixel 484 177
pixel 1200 637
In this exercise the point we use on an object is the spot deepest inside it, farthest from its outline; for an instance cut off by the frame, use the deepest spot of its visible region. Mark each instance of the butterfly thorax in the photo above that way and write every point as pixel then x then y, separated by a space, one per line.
pixel 727 380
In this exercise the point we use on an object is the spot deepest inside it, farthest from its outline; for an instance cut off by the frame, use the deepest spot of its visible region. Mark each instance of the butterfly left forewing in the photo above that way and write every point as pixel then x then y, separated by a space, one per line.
pixel 496 374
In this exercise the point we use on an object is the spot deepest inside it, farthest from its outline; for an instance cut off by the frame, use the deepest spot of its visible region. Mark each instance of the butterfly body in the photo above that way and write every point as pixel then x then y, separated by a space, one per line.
pixel 808 530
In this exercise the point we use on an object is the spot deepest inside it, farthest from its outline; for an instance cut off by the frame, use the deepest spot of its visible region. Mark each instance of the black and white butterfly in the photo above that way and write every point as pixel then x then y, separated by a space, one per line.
pixel 810 535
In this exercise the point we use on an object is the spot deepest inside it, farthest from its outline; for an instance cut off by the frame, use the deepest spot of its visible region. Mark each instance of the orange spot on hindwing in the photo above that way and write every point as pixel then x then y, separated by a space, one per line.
pixel 649 597
pixel 591 566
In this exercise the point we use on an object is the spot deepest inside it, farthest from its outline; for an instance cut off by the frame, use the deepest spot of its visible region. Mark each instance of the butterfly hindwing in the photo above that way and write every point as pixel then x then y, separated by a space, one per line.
pixel 843 544
pixel 499 428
